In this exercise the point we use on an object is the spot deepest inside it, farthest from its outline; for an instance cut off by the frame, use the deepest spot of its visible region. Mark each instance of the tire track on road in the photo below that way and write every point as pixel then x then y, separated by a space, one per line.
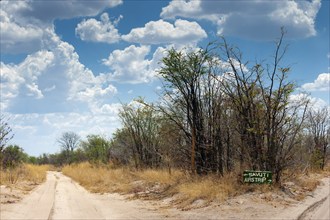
pixel 52 209
pixel 61 198
pixel 311 208
pixel 37 205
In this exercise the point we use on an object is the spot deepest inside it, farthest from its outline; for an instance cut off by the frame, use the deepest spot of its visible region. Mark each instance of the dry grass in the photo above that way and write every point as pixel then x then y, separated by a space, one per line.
pixel 301 183
pixel 208 189
pixel 153 184
pixel 159 184
pixel 34 174
pixel 99 178
pixel 160 176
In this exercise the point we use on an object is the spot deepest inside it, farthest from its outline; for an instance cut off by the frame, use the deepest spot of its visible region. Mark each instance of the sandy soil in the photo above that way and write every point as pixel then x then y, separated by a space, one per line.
pixel 269 205
pixel 321 209
pixel 15 193
pixel 316 206
pixel 61 198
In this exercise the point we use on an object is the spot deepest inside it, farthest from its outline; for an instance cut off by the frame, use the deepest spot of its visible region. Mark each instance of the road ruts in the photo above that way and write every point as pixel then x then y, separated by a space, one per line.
pixel 319 210
pixel 57 198
pixel 61 198
pixel 37 205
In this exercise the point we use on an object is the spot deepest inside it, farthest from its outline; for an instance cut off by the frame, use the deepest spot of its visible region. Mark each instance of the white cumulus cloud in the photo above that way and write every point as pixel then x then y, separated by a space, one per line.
pixel 98 31
pixel 22 23
pixel 52 75
pixel 130 65
pixel 322 83
pixel 23 78
pixel 162 32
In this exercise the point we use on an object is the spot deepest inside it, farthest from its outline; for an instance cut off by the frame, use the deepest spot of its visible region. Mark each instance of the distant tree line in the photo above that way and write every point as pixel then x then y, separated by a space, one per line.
pixel 95 149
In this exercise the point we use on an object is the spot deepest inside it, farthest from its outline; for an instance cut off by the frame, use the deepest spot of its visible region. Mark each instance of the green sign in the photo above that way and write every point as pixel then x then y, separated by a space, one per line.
pixel 260 177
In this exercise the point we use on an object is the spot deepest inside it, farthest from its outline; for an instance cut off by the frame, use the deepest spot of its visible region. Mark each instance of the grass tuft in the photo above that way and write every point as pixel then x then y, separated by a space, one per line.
pixel 34 174
pixel 209 188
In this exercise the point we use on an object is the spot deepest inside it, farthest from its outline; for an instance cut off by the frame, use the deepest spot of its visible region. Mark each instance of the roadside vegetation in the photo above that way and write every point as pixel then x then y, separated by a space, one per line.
pixel 153 183
pixel 183 189
pixel 217 115
pixel 29 173
pixel 16 167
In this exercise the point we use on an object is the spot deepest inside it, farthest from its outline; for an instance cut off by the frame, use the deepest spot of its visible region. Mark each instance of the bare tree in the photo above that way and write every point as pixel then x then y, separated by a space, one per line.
pixel 268 120
pixel 318 125
pixel 68 142
pixel 5 132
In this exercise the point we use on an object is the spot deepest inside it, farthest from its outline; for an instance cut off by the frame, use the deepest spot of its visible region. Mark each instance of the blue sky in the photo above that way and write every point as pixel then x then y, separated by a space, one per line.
pixel 68 65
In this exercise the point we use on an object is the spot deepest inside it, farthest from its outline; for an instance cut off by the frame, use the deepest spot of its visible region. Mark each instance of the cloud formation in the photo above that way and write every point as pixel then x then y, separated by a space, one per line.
pixel 31 18
pixel 130 65
pixel 162 32
pixel 23 78
pixel 27 40
pixel 39 12
pixel 54 73
pixel 251 19
pixel 322 83
pixel 98 31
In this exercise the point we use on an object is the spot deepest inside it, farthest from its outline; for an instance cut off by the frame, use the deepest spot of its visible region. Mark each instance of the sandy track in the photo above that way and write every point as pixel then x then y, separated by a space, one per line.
pixel 37 205
pixel 313 207
pixel 319 210
pixel 61 198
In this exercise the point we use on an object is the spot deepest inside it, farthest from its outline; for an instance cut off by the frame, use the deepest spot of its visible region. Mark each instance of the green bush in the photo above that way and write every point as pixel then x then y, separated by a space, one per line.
pixel 12 156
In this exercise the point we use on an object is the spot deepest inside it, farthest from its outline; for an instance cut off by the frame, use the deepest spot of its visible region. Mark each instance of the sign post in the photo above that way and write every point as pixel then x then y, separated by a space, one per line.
pixel 260 177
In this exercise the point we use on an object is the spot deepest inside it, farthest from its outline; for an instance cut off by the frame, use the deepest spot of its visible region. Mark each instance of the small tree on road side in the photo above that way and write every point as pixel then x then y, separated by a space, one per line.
pixel 142 124
pixel 13 156
pixel 96 148
pixel 68 142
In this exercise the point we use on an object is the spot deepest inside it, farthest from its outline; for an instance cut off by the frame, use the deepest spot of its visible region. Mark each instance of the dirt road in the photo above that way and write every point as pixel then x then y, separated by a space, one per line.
pixel 319 210
pixel 61 198
pixel 315 206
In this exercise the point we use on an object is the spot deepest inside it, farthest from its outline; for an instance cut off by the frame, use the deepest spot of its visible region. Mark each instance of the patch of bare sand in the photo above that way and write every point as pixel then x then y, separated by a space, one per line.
pixel 15 192
pixel 247 206
pixel 270 205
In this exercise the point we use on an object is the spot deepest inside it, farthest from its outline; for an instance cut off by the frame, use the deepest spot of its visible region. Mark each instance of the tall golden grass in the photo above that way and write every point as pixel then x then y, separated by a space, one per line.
pixel 157 184
pixel 99 178
pixel 34 174
pixel 209 188
pixel 152 183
